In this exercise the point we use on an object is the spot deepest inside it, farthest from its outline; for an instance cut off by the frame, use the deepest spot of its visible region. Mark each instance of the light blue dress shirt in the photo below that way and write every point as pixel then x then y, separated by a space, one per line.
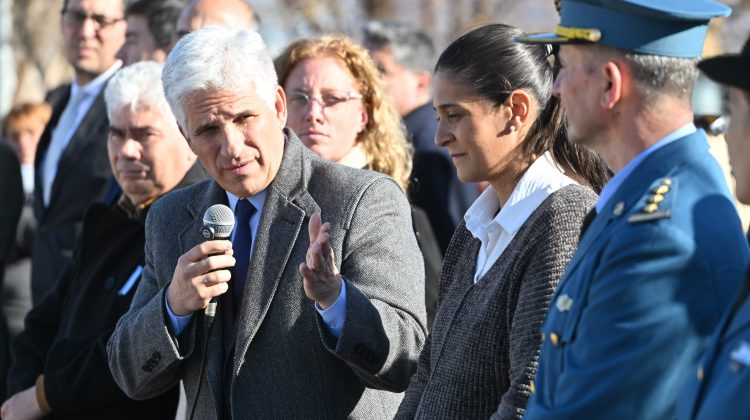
pixel 333 317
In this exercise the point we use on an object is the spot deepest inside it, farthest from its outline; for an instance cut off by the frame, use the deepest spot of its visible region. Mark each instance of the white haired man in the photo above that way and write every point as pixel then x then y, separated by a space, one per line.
pixel 59 360
pixel 293 336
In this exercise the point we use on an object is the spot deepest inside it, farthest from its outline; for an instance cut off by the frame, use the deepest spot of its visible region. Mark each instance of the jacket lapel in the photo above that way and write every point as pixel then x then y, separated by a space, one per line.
pixel 287 205
pixel 41 152
pixel 738 323
pixel 188 238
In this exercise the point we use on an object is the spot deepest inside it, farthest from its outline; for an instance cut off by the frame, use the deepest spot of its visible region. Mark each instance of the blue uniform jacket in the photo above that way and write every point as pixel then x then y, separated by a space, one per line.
pixel 718 388
pixel 649 282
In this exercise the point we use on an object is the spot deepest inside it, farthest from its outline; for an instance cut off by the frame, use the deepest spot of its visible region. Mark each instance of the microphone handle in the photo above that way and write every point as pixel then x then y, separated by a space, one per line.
pixel 210 310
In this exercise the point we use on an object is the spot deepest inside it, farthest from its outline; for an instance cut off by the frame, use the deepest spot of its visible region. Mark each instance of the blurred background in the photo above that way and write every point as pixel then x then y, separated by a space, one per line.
pixel 31 61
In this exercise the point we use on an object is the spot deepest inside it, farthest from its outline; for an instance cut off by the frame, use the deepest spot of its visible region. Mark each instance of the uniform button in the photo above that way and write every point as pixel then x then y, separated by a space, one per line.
pixel 650 208
pixel 661 189
pixel 656 198
pixel 554 339
pixel 543 337
pixel 619 208
pixel 532 387
pixel 700 372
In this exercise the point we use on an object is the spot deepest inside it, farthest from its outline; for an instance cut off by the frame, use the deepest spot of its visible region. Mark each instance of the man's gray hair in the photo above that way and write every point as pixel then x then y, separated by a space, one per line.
pixel 138 84
pixel 657 75
pixel 217 58
pixel 411 47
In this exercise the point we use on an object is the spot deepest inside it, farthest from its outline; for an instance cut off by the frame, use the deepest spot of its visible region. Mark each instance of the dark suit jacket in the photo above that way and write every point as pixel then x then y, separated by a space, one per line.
pixel 286 363
pixel 66 333
pixel 82 176
pixel 11 187
pixel 435 187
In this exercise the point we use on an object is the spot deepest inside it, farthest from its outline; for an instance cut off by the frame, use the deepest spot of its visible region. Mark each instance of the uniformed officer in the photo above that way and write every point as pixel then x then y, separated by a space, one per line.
pixel 718 389
pixel 665 254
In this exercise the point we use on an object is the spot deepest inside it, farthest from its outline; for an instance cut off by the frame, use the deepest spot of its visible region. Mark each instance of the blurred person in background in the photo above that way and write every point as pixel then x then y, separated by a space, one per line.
pixel 151 30
pixel 501 124
pixel 71 168
pixel 405 57
pixel 718 387
pixel 664 254
pixel 339 109
pixel 59 361
pixel 229 13
pixel 710 111
pixel 22 128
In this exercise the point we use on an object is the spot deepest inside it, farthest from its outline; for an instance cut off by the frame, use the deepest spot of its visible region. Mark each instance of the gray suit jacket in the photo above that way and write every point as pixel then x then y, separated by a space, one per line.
pixel 286 363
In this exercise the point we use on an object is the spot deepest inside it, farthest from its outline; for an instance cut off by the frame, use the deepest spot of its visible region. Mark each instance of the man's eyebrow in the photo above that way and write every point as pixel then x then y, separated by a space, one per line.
pixel 203 127
pixel 115 130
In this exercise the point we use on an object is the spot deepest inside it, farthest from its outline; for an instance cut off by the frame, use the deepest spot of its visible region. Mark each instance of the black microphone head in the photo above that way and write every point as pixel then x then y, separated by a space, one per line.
pixel 218 222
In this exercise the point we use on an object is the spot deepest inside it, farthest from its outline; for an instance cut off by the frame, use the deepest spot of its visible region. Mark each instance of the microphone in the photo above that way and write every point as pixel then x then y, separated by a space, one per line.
pixel 218 222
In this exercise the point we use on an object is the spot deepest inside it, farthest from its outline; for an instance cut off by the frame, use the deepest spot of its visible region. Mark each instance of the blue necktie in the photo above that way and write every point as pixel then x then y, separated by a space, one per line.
pixel 242 244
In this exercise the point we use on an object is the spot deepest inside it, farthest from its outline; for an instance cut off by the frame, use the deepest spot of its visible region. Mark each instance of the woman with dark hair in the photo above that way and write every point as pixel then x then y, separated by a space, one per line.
pixel 501 124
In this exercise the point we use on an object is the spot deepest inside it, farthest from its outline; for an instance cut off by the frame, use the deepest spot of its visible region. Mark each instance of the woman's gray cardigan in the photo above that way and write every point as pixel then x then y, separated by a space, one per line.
pixel 481 356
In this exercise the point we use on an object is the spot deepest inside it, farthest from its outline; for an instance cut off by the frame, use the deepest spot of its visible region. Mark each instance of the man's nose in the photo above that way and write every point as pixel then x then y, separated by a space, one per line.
pixel 234 141
pixel 88 28
pixel 130 149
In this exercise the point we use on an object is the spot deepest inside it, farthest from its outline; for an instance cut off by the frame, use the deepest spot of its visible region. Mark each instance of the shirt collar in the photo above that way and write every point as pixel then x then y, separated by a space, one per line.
pixel 609 190
pixel 95 86
pixel 541 179
pixel 257 200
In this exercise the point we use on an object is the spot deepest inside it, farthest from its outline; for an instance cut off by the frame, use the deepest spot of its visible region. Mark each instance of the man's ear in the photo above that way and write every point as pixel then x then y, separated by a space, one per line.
pixel 615 76
pixel 280 107
pixel 424 81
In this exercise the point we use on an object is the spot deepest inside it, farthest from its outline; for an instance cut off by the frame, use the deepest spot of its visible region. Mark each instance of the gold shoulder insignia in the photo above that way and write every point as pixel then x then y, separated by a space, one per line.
pixel 653 202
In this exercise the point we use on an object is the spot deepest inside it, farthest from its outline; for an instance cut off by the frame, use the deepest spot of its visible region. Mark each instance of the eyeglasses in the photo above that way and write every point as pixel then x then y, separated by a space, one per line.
pixel 75 18
pixel 300 101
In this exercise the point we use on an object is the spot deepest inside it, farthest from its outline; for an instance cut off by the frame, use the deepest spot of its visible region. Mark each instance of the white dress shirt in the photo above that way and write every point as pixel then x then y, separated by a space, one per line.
pixel 495 229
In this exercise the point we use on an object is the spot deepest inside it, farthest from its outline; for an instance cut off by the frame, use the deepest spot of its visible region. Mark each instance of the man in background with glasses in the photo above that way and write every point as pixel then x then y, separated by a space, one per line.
pixel 71 165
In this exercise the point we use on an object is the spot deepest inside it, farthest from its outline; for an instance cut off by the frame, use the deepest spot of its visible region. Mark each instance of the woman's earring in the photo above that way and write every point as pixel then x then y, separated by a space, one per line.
pixel 512 128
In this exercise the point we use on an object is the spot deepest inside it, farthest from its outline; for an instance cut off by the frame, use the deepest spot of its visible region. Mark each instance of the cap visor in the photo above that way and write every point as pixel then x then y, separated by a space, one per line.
pixel 727 70
pixel 547 38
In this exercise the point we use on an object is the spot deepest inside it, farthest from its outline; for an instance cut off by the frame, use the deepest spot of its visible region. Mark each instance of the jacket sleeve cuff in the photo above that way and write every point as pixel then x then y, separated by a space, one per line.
pixel 41 396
